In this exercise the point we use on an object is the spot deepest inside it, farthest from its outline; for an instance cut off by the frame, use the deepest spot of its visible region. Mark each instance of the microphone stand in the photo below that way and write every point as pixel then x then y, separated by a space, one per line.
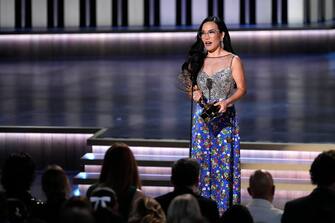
pixel 209 84
pixel 191 124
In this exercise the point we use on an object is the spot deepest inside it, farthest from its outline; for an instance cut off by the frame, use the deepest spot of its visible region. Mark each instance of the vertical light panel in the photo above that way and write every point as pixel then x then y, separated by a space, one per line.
pixel 39 13
pixel 295 12
pixel 72 106
pixel 314 9
pixel 263 12
pixel 9 106
pixel 263 121
pixel 232 12
pixel 295 94
pixel 7 13
pixel 329 9
pixel 38 102
pixel 168 12
pixel 71 13
pixel 135 12
pixel 138 118
pixel 104 13
pixel 199 11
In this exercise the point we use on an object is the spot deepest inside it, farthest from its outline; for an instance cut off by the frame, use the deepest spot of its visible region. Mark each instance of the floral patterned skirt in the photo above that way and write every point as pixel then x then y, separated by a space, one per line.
pixel 216 146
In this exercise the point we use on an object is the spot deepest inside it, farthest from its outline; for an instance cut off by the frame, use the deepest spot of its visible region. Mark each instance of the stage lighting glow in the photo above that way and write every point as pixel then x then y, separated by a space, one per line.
pixel 76 191
pixel 158 36
pixel 89 156
pixel 56 136
pixel 147 150
pixel 283 33
pixel 82 175
pixel 78 37
pixel 276 154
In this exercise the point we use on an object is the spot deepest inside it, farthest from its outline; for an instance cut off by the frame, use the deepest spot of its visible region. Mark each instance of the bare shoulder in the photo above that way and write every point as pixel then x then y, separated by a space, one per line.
pixel 237 63
pixel 236 60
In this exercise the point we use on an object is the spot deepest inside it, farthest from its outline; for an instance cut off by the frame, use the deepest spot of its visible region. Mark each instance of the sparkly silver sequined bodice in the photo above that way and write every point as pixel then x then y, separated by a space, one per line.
pixel 223 84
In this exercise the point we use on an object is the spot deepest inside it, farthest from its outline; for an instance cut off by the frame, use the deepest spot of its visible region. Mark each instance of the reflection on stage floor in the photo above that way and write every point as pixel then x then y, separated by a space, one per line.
pixel 290 98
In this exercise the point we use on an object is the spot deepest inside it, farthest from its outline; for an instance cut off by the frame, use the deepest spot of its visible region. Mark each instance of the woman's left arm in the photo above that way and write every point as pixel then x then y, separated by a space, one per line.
pixel 239 78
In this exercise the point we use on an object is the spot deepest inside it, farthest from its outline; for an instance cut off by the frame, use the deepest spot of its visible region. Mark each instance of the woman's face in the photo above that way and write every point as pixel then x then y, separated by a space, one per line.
pixel 211 36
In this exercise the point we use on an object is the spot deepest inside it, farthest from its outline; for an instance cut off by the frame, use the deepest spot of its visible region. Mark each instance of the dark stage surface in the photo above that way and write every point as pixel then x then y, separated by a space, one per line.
pixel 290 98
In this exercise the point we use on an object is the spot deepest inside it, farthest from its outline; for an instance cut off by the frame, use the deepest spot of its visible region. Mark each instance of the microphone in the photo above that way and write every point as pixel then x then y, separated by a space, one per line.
pixel 209 85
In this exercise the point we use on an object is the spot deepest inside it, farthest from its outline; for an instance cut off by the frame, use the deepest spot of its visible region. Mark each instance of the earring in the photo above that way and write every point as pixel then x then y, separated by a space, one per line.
pixel 222 44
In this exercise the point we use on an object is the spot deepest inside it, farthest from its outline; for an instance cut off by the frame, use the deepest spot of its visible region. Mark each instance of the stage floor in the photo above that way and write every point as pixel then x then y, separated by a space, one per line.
pixel 291 98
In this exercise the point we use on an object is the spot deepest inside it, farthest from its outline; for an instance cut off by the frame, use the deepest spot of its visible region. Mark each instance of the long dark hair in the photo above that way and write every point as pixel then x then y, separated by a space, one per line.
pixel 18 173
pixel 197 54
pixel 119 170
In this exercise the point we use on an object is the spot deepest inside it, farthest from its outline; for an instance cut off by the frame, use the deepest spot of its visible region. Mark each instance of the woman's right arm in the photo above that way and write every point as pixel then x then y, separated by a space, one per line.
pixel 197 94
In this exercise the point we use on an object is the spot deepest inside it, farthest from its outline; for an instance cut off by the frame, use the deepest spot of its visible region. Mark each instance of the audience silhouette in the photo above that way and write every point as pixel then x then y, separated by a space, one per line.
pixel 119 172
pixel 185 179
pixel 318 206
pixel 18 174
pixel 117 197
pixel 184 208
pixel 262 190
pixel 56 187
pixel 147 210
pixel 236 214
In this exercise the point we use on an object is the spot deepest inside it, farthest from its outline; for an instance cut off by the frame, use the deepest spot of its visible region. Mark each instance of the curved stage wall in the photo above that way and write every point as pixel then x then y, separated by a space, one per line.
pixel 47 145
pixel 43 46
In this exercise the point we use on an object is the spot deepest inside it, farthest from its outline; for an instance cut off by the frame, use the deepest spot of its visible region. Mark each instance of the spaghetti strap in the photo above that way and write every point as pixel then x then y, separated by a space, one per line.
pixel 231 60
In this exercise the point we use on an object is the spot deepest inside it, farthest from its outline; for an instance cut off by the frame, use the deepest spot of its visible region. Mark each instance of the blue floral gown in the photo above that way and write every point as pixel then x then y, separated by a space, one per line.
pixel 216 144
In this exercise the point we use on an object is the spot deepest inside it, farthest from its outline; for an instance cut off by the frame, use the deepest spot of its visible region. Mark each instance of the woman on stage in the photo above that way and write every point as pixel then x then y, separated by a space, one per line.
pixel 214 74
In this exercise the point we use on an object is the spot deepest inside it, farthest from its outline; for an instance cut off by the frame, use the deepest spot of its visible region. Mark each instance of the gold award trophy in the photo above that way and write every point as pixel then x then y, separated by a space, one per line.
pixel 210 111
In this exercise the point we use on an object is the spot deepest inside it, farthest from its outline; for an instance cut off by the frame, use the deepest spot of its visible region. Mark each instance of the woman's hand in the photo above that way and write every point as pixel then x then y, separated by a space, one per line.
pixel 197 94
pixel 223 106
